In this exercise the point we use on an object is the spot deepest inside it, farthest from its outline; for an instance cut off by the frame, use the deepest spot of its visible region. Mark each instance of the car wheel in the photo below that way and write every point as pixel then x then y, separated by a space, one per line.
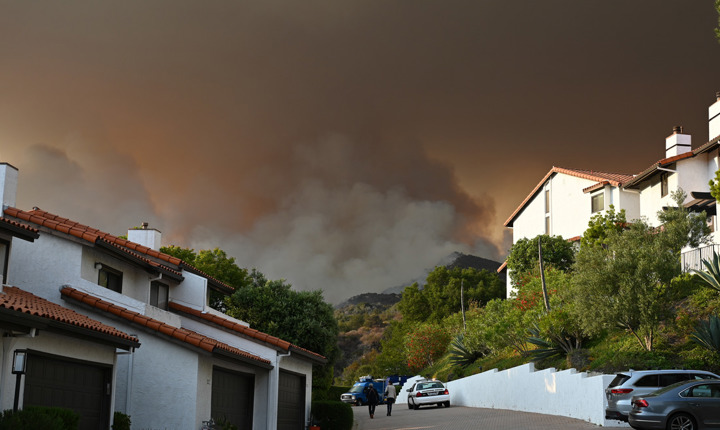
pixel 416 407
pixel 409 405
pixel 447 404
pixel 681 422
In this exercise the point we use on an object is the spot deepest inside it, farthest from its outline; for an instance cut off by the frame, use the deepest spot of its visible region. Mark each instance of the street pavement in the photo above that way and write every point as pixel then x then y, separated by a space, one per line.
pixel 458 418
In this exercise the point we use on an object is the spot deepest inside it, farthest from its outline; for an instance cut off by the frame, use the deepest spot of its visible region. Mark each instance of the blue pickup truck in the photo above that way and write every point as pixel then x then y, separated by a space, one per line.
pixel 357 396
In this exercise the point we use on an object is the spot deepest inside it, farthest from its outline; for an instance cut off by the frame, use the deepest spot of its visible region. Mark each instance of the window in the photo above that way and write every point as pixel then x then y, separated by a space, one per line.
pixel 547 224
pixel 110 278
pixel 4 259
pixel 648 381
pixel 159 295
pixel 597 202
pixel 663 184
pixel 547 201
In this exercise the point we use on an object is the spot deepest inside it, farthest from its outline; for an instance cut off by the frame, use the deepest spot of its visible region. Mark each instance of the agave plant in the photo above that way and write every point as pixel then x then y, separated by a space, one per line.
pixel 711 274
pixel 460 354
pixel 708 334
pixel 545 348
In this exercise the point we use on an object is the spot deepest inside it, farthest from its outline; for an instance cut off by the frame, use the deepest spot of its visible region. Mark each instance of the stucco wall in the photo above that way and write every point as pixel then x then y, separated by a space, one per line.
pixel 566 393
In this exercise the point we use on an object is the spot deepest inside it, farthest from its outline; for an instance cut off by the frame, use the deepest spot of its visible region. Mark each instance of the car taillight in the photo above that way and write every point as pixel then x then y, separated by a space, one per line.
pixel 446 391
pixel 641 403
pixel 419 394
pixel 621 390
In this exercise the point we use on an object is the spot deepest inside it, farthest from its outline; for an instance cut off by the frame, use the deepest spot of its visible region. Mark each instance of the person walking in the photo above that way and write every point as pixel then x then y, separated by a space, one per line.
pixel 390 394
pixel 372 398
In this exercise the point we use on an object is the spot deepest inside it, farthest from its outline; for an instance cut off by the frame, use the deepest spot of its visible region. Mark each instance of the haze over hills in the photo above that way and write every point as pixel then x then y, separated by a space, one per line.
pixel 392 295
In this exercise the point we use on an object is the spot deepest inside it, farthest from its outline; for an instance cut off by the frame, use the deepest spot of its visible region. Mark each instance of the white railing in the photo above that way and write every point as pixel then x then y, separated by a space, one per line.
pixel 692 260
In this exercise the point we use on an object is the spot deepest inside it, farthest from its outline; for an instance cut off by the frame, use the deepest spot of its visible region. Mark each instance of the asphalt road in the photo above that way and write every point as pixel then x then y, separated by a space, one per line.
pixel 457 418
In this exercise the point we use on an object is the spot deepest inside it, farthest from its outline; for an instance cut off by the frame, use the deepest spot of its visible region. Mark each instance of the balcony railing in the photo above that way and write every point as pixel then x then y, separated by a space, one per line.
pixel 692 260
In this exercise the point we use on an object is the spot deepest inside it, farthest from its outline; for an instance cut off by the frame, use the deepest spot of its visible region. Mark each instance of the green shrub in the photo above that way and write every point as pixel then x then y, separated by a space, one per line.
pixel 332 415
pixel 40 418
pixel 334 392
pixel 121 421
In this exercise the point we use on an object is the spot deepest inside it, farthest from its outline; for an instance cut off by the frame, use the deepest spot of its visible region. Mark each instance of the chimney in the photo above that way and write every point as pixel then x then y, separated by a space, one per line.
pixel 677 143
pixel 714 118
pixel 8 185
pixel 145 236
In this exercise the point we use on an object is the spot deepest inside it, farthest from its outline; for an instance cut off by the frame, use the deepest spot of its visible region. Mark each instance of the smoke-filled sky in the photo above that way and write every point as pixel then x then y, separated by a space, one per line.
pixel 342 145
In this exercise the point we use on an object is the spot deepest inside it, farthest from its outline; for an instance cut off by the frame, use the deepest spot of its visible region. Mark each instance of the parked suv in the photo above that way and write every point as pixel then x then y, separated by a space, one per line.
pixel 639 382
pixel 426 392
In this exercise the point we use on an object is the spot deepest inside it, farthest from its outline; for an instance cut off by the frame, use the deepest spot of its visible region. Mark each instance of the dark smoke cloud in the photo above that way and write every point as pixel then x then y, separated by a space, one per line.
pixel 342 145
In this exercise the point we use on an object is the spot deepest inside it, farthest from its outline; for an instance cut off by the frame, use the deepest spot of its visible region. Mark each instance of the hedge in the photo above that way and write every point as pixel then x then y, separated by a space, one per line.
pixel 332 415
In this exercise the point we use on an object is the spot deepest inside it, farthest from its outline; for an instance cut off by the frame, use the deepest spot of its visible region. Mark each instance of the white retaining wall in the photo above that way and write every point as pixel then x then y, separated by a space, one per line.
pixel 566 393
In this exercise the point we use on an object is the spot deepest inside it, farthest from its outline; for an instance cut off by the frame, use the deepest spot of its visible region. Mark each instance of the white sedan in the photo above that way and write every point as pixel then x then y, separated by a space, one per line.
pixel 424 393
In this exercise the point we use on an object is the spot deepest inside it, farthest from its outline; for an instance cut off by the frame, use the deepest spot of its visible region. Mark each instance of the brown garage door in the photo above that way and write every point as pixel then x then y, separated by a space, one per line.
pixel 78 385
pixel 291 401
pixel 232 397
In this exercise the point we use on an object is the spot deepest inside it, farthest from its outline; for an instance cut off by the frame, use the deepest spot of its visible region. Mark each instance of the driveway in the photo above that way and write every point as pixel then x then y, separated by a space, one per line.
pixel 458 418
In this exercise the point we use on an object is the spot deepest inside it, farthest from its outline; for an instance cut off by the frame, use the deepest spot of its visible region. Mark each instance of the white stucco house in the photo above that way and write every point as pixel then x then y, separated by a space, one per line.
pixel 563 202
pixel 106 324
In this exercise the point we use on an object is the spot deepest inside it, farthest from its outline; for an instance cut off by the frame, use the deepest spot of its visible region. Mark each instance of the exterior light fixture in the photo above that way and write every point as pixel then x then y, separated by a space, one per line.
pixel 18 368
pixel 19 361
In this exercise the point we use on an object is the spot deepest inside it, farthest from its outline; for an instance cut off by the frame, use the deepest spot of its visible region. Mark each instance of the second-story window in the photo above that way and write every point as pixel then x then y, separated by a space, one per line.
pixel 110 278
pixel 159 295
pixel 597 202
pixel 4 259
pixel 663 184
pixel 547 201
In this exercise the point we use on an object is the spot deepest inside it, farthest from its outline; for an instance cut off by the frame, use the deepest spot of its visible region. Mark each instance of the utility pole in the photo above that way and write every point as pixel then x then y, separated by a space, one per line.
pixel 542 276
pixel 462 302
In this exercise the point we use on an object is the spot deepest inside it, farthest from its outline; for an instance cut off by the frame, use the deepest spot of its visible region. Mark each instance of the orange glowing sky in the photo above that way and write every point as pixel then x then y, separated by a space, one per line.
pixel 343 145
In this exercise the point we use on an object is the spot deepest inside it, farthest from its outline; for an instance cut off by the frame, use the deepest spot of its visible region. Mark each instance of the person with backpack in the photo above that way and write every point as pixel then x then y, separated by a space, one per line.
pixel 373 398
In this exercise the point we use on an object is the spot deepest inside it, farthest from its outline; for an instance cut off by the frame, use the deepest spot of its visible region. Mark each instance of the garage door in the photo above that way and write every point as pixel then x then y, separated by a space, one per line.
pixel 291 401
pixel 77 385
pixel 232 397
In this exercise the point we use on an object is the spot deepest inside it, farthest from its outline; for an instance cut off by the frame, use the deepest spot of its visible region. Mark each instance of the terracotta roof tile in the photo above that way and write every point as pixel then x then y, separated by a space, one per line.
pixel 15 299
pixel 19 224
pixel 207 343
pixel 654 168
pixel 614 179
pixel 242 329
pixel 64 225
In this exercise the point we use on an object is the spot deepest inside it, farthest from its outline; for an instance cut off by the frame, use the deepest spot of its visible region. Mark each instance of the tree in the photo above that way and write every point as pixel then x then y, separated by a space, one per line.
pixel 413 304
pixel 600 226
pixel 214 262
pixel 302 318
pixel 627 282
pixel 442 290
pixel 424 345
pixel 523 257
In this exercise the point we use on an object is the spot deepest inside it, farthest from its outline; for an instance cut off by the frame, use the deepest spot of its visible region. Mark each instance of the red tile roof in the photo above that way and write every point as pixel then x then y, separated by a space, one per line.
pixel 195 339
pixel 93 235
pixel 18 300
pixel 614 179
pixel 19 225
pixel 650 171
pixel 245 330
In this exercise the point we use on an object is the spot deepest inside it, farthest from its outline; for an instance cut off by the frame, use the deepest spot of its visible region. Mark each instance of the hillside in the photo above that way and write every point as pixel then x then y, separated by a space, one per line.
pixel 363 318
